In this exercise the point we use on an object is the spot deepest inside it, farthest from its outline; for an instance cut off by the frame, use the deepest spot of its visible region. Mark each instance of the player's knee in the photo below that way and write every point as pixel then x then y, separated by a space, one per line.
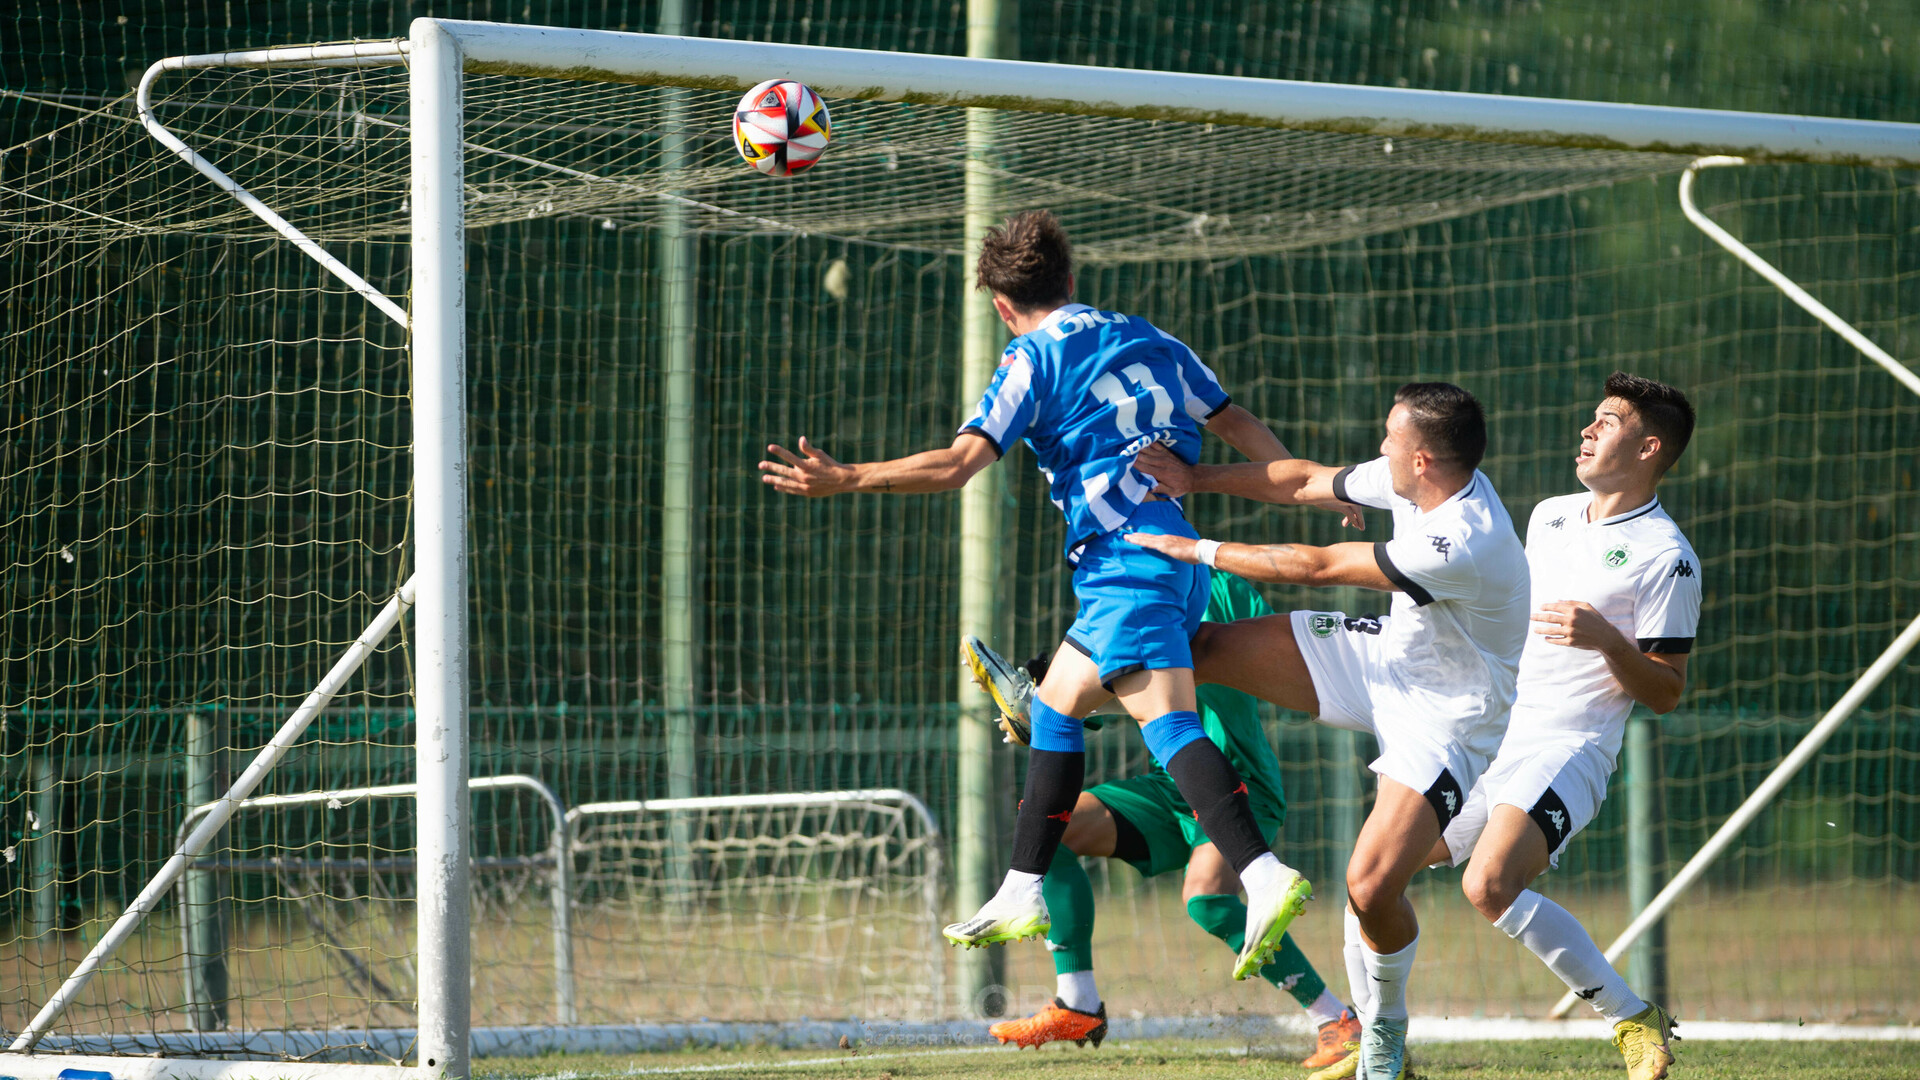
pixel 1369 891
pixel 1488 890
pixel 1090 831
pixel 1202 648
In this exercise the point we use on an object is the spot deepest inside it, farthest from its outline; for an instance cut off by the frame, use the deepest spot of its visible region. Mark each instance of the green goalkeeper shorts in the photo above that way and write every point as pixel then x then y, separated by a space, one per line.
pixel 1153 806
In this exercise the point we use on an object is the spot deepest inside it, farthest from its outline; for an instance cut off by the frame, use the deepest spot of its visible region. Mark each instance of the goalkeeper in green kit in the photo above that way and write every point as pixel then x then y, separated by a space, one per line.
pixel 1143 821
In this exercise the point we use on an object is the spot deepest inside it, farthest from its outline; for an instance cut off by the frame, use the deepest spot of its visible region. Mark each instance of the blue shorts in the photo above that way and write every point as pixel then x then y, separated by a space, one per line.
pixel 1138 609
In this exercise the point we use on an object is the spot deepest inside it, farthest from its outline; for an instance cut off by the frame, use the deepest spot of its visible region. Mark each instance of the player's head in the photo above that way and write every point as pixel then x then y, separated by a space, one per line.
pixel 1027 263
pixel 1638 432
pixel 1436 431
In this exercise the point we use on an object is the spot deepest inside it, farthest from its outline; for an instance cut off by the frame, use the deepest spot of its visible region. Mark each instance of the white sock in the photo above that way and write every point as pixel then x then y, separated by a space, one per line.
pixel 1075 990
pixel 1018 887
pixel 1557 938
pixel 1262 875
pixel 1325 1009
pixel 1357 982
pixel 1387 976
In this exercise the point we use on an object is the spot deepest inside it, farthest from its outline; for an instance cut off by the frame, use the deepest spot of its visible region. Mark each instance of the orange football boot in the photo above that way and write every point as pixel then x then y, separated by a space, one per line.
pixel 1334 1041
pixel 1052 1024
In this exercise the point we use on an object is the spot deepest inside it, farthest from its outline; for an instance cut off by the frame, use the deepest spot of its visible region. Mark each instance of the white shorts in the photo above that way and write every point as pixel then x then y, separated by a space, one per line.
pixel 1343 657
pixel 1559 784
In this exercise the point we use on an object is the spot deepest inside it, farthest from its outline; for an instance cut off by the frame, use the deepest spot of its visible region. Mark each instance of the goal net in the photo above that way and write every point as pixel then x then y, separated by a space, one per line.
pixel 208 471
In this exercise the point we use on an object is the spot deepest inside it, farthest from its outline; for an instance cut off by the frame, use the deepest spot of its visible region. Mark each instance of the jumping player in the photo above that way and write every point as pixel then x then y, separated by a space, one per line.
pixel 1143 821
pixel 1433 681
pixel 1616 599
pixel 1086 390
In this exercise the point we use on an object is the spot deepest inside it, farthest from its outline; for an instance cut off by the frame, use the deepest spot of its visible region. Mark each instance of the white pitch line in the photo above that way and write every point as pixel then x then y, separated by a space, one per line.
pixel 735 1066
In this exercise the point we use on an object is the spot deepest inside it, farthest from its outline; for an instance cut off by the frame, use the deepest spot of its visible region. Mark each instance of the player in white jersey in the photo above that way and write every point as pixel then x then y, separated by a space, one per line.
pixel 1433 681
pixel 1616 598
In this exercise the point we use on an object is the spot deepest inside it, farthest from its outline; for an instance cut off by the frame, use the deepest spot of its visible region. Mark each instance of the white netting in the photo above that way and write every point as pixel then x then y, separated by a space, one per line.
pixel 809 907
pixel 329 151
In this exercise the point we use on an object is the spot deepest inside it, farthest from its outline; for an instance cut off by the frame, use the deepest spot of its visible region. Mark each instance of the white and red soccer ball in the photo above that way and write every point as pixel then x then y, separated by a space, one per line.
pixel 780 127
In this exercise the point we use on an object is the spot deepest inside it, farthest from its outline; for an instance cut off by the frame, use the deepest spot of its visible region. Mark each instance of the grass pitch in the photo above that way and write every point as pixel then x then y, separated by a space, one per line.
pixel 1567 1059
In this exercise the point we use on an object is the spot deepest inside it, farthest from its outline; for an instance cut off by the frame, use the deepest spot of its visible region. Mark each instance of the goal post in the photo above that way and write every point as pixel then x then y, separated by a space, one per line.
pixel 1459 154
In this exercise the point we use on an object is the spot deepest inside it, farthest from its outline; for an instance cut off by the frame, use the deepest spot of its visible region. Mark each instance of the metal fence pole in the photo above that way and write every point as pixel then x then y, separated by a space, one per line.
pixel 983 971
pixel 1646 853
pixel 44 861
pixel 680 513
pixel 202 903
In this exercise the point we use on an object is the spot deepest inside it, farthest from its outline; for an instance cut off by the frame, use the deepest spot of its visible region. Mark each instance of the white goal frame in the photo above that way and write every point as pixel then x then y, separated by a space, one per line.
pixel 439 52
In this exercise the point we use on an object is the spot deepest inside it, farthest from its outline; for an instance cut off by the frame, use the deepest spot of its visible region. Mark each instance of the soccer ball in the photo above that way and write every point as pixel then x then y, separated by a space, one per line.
pixel 780 127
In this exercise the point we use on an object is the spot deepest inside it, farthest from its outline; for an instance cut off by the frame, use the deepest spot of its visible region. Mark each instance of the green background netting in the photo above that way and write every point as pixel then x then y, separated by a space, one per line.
pixel 202 446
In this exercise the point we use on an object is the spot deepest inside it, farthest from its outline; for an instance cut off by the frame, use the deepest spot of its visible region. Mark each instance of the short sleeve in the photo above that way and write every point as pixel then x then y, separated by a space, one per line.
pixel 1666 613
pixel 1201 393
pixel 1367 484
pixel 1428 567
pixel 1007 408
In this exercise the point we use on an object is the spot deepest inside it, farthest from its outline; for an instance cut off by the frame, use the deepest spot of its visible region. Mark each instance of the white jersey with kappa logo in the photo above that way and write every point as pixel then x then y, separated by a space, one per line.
pixel 1639 572
pixel 1451 647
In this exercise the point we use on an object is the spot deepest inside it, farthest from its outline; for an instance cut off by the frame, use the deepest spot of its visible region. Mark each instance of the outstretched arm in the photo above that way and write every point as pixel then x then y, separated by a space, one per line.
pixel 813 473
pixel 1280 564
pixel 1294 481
pixel 1244 432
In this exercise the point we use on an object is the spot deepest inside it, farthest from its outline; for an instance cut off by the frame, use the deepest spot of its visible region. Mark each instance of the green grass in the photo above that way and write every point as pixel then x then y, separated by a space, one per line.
pixel 1568 1059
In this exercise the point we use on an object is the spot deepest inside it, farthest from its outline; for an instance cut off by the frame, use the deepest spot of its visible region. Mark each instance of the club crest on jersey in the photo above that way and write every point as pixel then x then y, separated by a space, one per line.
pixel 1323 625
pixel 1617 556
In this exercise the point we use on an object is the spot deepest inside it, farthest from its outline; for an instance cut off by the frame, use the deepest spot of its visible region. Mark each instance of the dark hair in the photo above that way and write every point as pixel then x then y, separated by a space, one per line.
pixel 1663 411
pixel 1449 420
pixel 1028 260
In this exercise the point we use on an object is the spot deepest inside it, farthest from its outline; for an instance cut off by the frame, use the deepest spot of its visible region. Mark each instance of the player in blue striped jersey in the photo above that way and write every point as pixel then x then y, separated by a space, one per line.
pixel 1087 390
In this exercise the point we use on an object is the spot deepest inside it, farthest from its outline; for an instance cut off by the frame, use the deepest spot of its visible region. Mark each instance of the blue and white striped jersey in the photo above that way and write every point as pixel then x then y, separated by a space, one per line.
pixel 1088 390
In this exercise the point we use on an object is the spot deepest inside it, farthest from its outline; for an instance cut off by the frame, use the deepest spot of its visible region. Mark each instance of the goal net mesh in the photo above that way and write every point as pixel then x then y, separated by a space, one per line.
pixel 204 453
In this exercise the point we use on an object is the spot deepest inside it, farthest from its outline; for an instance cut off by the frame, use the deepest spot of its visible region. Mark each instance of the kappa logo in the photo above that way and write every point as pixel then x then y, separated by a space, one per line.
pixel 1364 624
pixel 1442 545
pixel 1453 801
pixel 1559 821
pixel 1323 625
pixel 1617 556
pixel 1287 983
pixel 1556 523
pixel 1587 994
pixel 1683 568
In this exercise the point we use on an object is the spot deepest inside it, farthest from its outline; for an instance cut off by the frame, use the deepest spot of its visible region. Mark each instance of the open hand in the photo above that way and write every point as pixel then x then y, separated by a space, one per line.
pixel 812 472
pixel 1173 477
pixel 1183 548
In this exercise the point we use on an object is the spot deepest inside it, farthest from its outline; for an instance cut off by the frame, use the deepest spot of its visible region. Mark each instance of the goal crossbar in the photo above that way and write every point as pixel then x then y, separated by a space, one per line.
pixel 1029 86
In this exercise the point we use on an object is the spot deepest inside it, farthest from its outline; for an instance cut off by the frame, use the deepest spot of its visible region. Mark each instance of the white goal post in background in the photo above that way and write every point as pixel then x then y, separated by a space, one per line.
pixel 438 55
